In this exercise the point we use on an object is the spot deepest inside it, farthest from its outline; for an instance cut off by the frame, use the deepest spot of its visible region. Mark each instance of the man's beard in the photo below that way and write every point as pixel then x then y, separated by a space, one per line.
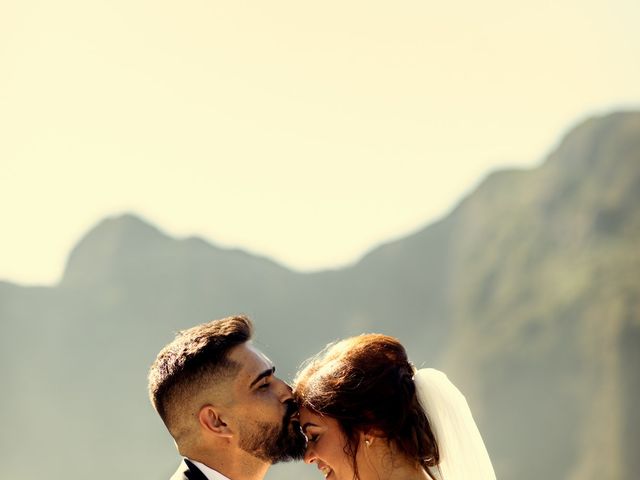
pixel 274 443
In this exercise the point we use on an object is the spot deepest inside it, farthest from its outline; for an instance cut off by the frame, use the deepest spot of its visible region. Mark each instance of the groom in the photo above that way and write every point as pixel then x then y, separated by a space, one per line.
pixel 229 415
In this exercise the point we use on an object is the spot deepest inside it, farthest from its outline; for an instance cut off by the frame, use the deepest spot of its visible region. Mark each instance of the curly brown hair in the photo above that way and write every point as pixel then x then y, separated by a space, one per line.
pixel 366 384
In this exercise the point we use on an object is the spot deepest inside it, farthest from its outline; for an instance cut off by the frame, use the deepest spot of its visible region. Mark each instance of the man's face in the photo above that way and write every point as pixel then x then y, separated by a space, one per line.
pixel 263 411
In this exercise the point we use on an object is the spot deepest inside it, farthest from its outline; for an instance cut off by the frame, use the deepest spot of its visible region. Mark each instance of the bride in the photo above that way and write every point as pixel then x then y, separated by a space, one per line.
pixel 368 415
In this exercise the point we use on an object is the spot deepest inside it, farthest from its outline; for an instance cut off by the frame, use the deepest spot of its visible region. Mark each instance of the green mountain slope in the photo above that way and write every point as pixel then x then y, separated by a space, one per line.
pixel 527 294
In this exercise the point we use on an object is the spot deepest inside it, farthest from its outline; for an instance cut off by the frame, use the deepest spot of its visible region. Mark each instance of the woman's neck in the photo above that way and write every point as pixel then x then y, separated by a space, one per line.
pixel 383 462
pixel 407 472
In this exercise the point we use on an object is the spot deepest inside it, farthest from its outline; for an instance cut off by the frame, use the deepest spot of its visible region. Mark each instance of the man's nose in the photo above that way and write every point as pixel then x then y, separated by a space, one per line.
pixel 284 391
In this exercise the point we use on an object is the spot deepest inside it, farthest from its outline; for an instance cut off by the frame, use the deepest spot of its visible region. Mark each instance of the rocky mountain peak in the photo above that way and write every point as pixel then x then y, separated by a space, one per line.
pixel 111 242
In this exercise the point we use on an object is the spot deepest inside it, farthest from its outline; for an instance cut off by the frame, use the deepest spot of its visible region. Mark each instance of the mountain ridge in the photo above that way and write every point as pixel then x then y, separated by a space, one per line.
pixel 138 223
pixel 526 293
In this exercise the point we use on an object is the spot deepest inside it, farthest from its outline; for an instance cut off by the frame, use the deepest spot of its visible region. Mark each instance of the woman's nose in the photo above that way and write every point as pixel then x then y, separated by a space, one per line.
pixel 309 455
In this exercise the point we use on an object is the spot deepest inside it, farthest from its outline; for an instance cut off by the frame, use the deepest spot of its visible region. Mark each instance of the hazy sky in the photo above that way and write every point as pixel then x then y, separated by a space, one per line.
pixel 305 131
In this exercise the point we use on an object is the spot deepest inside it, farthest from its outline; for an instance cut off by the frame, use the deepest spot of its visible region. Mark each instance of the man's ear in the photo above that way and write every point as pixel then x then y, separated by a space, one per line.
pixel 209 419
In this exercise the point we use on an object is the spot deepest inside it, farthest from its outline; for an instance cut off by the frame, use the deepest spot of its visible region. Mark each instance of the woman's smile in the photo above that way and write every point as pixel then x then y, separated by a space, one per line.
pixel 325 469
pixel 326 445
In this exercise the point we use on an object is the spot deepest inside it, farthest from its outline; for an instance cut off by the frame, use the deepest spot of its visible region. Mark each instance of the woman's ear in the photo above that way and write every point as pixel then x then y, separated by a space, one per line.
pixel 210 420
pixel 370 436
pixel 367 438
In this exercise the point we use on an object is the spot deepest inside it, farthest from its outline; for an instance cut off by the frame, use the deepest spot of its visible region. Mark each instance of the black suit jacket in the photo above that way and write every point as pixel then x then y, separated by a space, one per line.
pixel 188 471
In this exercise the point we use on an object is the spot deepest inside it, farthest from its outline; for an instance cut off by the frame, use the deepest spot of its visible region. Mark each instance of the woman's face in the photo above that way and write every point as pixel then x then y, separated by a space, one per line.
pixel 326 445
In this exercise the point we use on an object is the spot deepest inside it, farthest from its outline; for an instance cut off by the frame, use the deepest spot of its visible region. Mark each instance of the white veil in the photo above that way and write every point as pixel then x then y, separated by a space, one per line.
pixel 463 455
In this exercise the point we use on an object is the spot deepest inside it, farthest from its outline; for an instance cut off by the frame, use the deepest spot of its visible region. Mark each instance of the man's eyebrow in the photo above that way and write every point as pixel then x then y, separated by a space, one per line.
pixel 266 373
pixel 307 425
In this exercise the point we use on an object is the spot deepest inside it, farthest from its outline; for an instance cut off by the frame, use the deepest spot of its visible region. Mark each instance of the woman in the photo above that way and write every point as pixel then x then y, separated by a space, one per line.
pixel 368 415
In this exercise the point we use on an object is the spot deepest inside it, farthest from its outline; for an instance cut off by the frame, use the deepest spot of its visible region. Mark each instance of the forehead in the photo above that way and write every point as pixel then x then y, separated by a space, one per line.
pixel 311 419
pixel 252 363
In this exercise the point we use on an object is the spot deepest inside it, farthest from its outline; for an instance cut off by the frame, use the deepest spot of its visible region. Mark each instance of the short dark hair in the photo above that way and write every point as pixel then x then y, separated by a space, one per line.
pixel 366 384
pixel 194 360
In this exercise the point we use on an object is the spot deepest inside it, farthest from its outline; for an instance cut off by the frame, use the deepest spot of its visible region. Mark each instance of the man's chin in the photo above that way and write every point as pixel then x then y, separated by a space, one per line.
pixel 275 445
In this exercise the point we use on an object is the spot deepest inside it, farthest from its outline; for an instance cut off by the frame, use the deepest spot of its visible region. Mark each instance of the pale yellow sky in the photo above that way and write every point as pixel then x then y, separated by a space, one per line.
pixel 305 132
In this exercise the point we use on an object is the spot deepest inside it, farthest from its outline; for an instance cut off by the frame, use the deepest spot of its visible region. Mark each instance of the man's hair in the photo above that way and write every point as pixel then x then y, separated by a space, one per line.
pixel 195 360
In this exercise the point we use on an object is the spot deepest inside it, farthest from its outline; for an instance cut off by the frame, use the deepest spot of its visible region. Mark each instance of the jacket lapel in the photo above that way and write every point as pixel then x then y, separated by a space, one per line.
pixel 188 471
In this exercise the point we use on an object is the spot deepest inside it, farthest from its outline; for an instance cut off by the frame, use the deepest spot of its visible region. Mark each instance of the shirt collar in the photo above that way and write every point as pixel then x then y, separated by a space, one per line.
pixel 209 472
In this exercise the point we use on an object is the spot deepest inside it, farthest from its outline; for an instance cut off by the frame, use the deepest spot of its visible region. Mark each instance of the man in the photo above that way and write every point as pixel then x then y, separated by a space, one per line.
pixel 229 415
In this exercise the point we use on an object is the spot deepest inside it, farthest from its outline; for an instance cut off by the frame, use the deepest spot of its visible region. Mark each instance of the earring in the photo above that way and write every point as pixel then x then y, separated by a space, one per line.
pixel 367 442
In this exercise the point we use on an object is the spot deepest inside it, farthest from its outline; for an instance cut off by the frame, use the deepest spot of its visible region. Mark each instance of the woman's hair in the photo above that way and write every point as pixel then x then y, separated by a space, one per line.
pixel 366 384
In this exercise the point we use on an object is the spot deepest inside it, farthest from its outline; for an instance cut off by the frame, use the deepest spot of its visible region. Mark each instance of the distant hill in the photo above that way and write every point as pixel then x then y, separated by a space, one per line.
pixel 527 294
